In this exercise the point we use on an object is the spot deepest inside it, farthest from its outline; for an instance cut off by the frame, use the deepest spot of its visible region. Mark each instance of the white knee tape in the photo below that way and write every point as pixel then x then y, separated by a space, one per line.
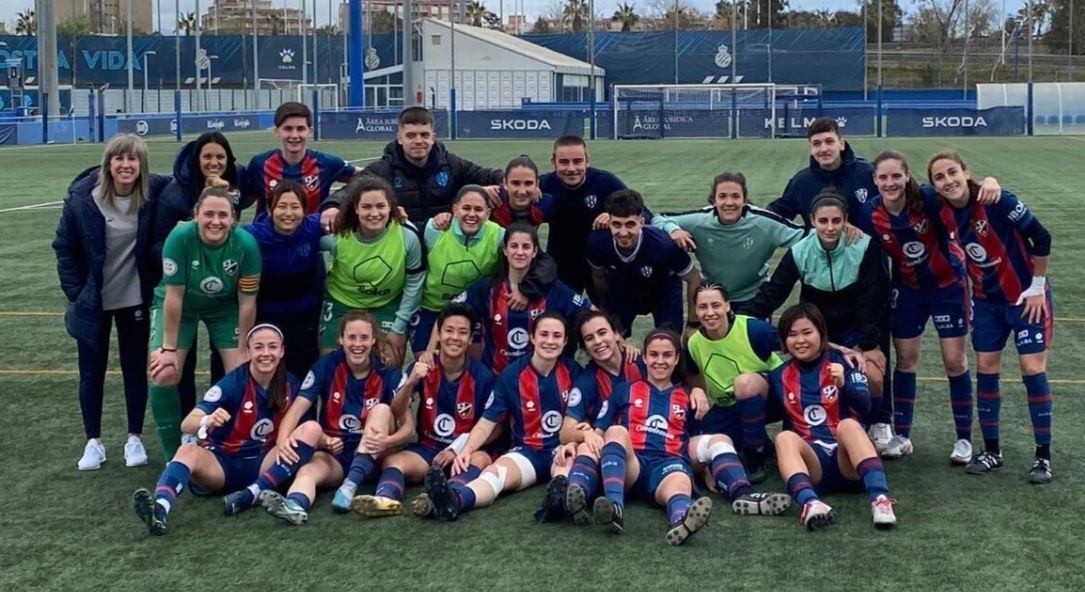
pixel 720 448
pixel 702 455
pixel 496 481
pixel 527 470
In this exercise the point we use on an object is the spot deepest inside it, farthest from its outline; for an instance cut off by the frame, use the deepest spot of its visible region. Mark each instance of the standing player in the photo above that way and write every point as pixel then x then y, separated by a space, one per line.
pixel 532 394
pixel 579 190
pixel 928 282
pixel 636 269
pixel 451 390
pixel 730 226
pixel 294 161
pixel 468 249
pixel 377 266
pixel 236 421
pixel 1008 251
pixel 211 273
pixel 823 447
pixel 646 444
pixel 505 330
pixel 425 175
pixel 354 390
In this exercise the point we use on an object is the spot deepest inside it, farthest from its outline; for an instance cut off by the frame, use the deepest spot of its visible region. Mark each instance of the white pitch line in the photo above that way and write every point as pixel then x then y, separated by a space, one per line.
pixel 364 159
pixel 51 205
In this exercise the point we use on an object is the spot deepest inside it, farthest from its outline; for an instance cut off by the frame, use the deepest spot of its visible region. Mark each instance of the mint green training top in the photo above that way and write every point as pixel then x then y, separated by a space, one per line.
pixel 734 255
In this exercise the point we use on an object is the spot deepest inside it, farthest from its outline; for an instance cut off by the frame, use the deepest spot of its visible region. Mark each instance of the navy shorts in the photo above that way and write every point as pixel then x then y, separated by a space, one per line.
pixel 240 471
pixel 666 311
pixel 427 453
pixel 654 468
pixel 540 461
pixel 948 307
pixel 992 324
pixel 832 480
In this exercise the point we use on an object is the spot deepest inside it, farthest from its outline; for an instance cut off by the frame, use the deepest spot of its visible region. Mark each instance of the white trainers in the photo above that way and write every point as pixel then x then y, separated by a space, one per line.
pixel 898 447
pixel 881 434
pixel 135 455
pixel 93 456
pixel 962 453
pixel 882 511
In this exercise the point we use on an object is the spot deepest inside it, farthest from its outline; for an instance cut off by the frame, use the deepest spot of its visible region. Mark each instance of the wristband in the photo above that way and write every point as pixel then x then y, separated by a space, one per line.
pixel 163 348
pixel 1039 282
pixel 202 432
pixel 458 444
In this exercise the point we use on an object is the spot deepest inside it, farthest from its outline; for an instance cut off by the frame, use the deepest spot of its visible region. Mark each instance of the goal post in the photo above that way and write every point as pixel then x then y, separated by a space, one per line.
pixel 694 110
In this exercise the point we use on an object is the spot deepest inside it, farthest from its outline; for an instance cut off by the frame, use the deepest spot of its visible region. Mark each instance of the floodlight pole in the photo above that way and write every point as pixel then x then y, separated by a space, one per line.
pixel 255 59
pixel 880 20
pixel 734 41
pixel 131 64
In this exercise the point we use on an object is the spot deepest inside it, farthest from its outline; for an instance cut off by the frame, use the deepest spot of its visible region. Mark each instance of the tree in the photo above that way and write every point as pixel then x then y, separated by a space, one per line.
pixel 845 18
pixel 26 23
pixel 492 21
pixel 382 22
pixel 627 16
pixel 1058 35
pixel 892 15
pixel 75 27
pixel 475 13
pixel 1039 16
pixel 575 14
pixel 186 23
pixel 276 23
pixel 541 26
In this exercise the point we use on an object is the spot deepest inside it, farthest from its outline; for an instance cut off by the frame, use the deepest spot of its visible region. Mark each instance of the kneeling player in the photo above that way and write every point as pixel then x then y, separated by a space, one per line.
pixel 453 389
pixel 824 447
pixel 236 420
pixel 355 390
pixel 647 442
pixel 533 390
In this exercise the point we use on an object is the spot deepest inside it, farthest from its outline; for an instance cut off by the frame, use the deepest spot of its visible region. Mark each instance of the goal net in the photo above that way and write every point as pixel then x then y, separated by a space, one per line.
pixel 694 110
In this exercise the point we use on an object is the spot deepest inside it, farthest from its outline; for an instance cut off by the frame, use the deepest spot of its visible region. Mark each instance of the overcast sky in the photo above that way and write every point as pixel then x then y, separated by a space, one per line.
pixel 9 8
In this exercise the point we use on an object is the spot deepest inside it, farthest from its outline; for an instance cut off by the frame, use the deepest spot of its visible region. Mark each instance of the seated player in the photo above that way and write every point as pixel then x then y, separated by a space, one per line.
pixel 505 329
pixel 532 394
pixel 236 421
pixel 636 268
pixel 646 444
pixel 1008 251
pixel 521 199
pixel 824 447
pixel 355 391
pixel 452 390
pixel 572 486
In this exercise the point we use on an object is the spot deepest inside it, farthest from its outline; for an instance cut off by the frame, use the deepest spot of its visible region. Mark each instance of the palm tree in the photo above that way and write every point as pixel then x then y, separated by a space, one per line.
pixel 276 23
pixel 626 15
pixel 575 12
pixel 187 22
pixel 26 23
pixel 476 12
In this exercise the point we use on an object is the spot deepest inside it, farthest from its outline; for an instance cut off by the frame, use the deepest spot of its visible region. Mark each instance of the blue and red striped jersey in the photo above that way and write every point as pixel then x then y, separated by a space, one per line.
pixel 252 426
pixel 999 257
pixel 316 172
pixel 533 403
pixel 921 244
pixel 813 405
pixel 506 333
pixel 449 408
pixel 595 385
pixel 536 214
pixel 656 419
pixel 344 400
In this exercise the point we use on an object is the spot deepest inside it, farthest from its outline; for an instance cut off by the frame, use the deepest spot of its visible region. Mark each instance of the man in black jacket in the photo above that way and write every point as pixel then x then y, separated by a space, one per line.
pixel 424 174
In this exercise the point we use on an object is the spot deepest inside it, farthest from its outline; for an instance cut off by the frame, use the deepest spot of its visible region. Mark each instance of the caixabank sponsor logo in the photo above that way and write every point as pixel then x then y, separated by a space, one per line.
pixel 954 121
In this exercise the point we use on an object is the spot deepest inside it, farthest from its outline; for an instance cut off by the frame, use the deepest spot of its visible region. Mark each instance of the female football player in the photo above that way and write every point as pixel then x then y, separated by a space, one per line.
pixel 211 273
pixel 377 266
pixel 1008 251
pixel 236 421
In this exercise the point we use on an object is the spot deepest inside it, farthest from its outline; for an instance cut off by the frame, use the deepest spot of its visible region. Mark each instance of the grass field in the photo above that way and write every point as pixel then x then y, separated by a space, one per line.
pixel 69 530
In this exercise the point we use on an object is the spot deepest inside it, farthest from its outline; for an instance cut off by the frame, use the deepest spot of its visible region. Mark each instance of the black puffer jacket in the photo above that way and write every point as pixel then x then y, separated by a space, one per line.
pixel 425 191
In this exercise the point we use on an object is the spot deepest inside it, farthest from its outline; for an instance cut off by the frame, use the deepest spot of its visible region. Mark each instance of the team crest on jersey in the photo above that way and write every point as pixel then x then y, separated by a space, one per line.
pixel 747 243
pixel 920 228
pixel 229 266
pixel 490 400
pixel 441 179
pixel 310 379
pixel 861 194
pixel 397 183
pixel 311 181
pixel 646 271
pixel 572 397
pixel 464 410
pixel 213 394
pixel 369 403
pixel 678 411
pixel 981 227
pixel 535 312
pixel 829 392
pixel 603 409
pixel 169 266
pixel 590 201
